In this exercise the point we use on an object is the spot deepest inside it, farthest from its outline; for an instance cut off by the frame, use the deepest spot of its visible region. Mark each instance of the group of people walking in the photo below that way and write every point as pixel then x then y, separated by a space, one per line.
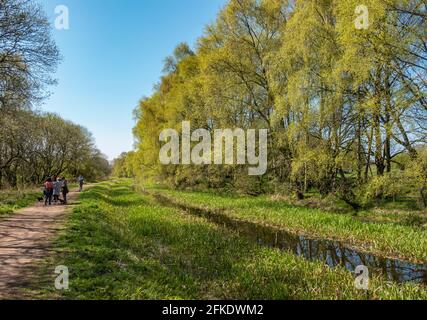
pixel 55 187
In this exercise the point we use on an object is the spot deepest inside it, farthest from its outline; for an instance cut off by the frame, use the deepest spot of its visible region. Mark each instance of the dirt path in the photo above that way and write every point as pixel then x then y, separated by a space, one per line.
pixel 25 239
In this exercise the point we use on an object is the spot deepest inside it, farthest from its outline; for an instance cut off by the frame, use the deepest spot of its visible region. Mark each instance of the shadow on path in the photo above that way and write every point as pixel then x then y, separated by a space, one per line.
pixel 25 240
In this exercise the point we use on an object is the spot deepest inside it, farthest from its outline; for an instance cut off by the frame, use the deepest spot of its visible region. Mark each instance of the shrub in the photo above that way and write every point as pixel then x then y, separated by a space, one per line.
pixel 386 187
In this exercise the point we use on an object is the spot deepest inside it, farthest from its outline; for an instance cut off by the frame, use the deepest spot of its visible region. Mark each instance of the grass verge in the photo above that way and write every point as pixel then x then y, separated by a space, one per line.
pixel 11 200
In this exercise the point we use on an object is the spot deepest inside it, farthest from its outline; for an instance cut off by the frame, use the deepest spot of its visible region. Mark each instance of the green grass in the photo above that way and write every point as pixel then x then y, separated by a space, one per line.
pixel 380 238
pixel 11 200
pixel 120 244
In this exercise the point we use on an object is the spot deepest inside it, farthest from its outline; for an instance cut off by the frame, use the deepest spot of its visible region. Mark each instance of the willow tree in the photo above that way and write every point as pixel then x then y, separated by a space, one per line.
pixel 238 52
pixel 385 62
pixel 311 108
pixel 340 87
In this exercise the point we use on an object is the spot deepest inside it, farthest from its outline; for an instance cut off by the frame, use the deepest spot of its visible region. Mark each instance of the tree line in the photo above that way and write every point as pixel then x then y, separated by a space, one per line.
pixel 346 107
pixel 35 145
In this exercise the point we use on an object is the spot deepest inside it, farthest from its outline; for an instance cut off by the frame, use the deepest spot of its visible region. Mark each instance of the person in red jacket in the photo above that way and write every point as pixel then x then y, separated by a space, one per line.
pixel 48 192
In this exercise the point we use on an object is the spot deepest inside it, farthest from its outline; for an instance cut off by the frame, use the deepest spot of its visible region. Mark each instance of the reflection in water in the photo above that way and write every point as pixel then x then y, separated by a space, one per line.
pixel 333 253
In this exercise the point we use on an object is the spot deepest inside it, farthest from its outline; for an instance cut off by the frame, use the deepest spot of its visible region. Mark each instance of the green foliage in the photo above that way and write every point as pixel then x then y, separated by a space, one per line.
pixel 36 145
pixel 387 187
pixel 399 183
pixel 125 166
pixel 416 174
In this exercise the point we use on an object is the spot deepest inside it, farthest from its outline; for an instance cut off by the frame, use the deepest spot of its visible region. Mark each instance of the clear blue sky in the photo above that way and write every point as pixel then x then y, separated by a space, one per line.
pixel 113 55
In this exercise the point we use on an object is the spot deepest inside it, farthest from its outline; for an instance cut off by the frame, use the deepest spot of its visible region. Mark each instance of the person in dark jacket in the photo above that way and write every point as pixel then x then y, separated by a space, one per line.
pixel 65 189
pixel 81 181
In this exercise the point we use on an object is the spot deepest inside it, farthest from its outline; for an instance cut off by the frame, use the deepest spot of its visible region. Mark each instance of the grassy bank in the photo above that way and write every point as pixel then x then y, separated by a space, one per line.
pixel 120 244
pixel 11 200
pixel 385 239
